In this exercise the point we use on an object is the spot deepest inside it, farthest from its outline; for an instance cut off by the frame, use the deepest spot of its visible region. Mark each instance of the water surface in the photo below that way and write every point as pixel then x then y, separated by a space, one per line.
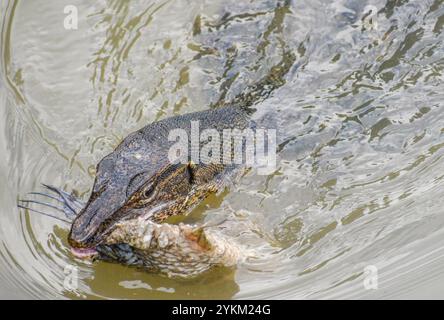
pixel 360 177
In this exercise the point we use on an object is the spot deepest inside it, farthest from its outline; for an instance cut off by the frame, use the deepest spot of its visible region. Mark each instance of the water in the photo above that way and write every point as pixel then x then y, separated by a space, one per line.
pixel 360 179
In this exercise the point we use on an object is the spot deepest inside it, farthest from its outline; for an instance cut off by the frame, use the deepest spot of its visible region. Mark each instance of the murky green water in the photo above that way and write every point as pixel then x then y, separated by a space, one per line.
pixel 360 177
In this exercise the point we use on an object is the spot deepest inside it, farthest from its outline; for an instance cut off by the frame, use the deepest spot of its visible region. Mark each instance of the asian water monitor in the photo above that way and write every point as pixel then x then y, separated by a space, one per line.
pixel 137 188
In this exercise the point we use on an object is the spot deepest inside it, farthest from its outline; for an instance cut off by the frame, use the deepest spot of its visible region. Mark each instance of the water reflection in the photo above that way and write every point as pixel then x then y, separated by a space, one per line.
pixel 361 141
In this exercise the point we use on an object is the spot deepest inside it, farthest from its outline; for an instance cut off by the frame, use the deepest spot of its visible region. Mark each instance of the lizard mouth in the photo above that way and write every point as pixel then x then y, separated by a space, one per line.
pixel 84 253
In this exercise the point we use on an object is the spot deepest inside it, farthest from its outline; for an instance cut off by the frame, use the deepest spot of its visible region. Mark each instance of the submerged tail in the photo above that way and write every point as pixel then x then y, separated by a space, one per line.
pixel 260 90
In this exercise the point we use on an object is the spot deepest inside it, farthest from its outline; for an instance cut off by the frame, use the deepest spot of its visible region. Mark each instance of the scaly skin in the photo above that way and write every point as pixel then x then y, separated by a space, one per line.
pixel 138 179
pixel 137 188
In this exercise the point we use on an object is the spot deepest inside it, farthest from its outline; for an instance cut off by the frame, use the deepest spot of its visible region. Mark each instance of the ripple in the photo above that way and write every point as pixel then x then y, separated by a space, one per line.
pixel 361 139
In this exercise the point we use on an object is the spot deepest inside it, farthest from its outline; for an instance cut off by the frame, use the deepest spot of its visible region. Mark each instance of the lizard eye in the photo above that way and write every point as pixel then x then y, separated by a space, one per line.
pixel 143 196
pixel 148 192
